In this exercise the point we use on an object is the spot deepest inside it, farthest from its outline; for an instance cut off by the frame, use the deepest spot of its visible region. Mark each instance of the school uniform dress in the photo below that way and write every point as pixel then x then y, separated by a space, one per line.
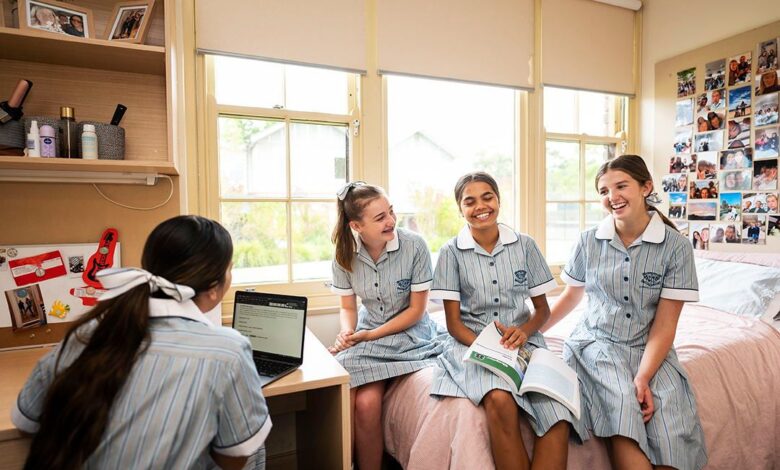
pixel 624 286
pixel 384 289
pixel 493 286
pixel 195 389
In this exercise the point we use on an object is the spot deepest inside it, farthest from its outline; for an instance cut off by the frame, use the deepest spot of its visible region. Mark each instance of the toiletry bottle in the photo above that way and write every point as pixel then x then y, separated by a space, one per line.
pixel 89 143
pixel 48 142
pixel 33 140
pixel 68 133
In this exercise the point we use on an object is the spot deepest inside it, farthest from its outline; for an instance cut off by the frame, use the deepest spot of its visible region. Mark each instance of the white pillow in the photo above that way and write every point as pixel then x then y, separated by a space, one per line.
pixel 742 289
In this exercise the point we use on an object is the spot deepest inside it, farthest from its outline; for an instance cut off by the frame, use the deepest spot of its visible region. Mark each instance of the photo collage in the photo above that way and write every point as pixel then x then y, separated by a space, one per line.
pixel 722 182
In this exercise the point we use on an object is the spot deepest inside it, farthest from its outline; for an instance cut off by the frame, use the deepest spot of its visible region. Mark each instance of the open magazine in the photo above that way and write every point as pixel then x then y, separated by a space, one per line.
pixel 541 371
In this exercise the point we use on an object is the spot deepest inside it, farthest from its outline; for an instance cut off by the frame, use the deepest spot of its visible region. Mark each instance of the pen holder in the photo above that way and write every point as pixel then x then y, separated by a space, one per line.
pixel 12 135
pixel 111 140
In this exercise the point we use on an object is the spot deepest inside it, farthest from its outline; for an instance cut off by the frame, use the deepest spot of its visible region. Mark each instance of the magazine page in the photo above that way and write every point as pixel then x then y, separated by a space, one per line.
pixel 550 375
pixel 487 351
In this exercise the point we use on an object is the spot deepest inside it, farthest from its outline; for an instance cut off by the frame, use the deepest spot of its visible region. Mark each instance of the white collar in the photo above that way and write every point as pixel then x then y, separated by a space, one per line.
pixel 173 308
pixel 392 245
pixel 466 242
pixel 655 232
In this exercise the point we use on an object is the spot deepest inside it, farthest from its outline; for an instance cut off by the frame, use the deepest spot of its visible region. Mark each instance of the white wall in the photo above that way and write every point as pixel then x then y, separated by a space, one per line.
pixel 671 27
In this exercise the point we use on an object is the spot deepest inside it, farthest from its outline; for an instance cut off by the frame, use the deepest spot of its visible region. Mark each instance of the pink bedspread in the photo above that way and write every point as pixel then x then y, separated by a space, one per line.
pixel 733 363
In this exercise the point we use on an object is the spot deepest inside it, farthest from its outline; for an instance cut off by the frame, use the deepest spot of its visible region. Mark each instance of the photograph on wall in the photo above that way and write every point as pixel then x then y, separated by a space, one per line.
pixel 759 203
pixel 708 141
pixel 765 174
pixel 700 235
pixel 739 102
pixel 715 75
pixel 725 233
pixel 702 210
pixel 766 109
pixel 682 163
pixel 686 82
pixel 754 229
pixel 682 226
pixel 684 113
pixel 768 82
pixel 730 206
pixel 773 225
pixel 682 140
pixel 677 183
pixel 766 142
pixel 714 100
pixel 736 180
pixel 738 159
pixel 766 56
pixel 707 189
pixel 26 307
pixel 706 165
pixel 677 205
pixel 739 69
pixel 738 132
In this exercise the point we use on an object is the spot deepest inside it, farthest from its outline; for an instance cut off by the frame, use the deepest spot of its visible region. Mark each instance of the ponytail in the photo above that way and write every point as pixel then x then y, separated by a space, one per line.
pixel 663 217
pixel 344 241
pixel 352 199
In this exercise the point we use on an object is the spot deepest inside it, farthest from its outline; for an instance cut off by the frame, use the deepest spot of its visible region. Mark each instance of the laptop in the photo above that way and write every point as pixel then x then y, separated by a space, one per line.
pixel 275 326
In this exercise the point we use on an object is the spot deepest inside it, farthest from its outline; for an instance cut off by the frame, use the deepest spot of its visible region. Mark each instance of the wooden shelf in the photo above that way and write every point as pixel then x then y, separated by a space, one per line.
pixel 52 48
pixel 64 164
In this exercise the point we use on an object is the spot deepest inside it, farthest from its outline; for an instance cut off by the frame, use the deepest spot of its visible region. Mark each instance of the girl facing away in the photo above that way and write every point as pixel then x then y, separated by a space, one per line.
pixel 484 275
pixel 144 380
pixel 637 270
pixel 390 334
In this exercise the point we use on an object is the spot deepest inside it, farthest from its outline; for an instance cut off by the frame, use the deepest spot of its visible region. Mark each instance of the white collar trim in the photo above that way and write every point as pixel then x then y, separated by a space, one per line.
pixel 655 232
pixel 173 308
pixel 466 242
pixel 392 245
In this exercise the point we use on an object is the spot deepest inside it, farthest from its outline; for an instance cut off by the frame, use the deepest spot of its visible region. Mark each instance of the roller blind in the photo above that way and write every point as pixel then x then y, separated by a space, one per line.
pixel 588 45
pixel 326 33
pixel 484 42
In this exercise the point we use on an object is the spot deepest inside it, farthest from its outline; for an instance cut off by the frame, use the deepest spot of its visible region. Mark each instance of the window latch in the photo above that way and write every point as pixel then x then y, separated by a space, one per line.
pixel 356 127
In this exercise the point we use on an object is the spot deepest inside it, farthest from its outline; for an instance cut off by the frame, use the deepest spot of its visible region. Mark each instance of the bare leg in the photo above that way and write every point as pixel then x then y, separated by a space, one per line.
pixel 624 453
pixel 551 451
pixel 369 441
pixel 503 426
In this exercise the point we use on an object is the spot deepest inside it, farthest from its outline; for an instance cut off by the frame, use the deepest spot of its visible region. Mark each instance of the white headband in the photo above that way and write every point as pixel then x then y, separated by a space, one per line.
pixel 117 281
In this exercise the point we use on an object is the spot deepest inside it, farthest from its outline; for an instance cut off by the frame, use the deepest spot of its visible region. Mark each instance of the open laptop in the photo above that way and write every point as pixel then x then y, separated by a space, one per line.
pixel 275 325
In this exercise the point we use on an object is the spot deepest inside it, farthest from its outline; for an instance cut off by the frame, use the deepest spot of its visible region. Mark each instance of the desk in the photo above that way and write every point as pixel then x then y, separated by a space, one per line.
pixel 318 393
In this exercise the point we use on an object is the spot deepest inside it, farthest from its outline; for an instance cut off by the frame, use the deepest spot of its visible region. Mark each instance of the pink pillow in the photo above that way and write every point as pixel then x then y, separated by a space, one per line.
pixel 761 259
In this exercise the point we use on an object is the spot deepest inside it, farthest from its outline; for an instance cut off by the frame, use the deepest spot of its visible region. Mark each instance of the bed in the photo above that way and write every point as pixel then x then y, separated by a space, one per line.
pixel 733 362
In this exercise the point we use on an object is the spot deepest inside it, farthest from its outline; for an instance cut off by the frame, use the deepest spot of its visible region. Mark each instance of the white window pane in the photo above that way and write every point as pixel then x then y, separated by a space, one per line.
pixel 245 82
pixel 259 232
pixel 312 250
pixel 595 156
pixel 318 159
pixel 594 213
pixel 252 157
pixel 316 90
pixel 437 132
pixel 560 110
pixel 597 114
pixel 563 228
pixel 563 170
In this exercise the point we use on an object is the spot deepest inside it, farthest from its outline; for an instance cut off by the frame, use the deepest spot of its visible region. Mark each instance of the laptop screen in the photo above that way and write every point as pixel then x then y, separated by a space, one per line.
pixel 273 323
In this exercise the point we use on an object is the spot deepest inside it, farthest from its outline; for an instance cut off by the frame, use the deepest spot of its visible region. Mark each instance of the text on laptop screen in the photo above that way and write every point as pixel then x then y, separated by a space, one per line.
pixel 271 326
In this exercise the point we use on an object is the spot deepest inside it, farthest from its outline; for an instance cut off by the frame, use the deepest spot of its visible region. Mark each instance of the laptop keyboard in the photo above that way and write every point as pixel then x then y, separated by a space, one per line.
pixel 270 368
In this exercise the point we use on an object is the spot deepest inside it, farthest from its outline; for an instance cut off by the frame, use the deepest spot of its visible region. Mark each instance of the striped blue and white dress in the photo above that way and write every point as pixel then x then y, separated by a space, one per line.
pixel 493 286
pixel 194 390
pixel 385 289
pixel 624 286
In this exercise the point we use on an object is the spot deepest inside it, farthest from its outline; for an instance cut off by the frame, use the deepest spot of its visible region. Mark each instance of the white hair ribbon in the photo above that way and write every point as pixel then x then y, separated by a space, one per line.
pixel 117 281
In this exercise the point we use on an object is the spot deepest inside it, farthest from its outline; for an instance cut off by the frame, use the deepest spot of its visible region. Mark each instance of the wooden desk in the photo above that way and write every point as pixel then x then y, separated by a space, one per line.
pixel 318 393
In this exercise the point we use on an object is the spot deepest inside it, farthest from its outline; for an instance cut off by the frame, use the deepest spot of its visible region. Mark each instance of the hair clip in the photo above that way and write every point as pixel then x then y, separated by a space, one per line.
pixel 342 194
pixel 653 199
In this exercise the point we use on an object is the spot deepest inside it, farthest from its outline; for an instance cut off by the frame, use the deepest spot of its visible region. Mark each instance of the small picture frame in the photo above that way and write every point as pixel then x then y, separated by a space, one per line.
pixel 56 17
pixel 130 21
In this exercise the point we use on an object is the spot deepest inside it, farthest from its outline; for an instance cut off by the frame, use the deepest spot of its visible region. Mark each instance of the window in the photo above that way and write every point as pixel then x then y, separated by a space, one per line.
pixel 582 131
pixel 436 132
pixel 283 145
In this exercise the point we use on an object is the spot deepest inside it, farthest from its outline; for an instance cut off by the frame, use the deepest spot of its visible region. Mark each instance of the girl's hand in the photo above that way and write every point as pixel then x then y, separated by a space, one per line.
pixel 342 341
pixel 645 397
pixel 513 336
pixel 360 336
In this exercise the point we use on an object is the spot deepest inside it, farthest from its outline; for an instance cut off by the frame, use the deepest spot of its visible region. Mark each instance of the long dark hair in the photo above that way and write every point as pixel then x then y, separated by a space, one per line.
pixel 480 176
pixel 350 210
pixel 635 167
pixel 188 250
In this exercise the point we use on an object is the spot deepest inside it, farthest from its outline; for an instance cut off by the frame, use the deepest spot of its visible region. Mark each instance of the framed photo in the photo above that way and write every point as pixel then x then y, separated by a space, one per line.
pixel 130 21
pixel 56 17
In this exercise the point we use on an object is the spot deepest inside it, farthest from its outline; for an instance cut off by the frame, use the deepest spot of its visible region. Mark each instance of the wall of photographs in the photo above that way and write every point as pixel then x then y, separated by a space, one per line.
pixel 721 179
